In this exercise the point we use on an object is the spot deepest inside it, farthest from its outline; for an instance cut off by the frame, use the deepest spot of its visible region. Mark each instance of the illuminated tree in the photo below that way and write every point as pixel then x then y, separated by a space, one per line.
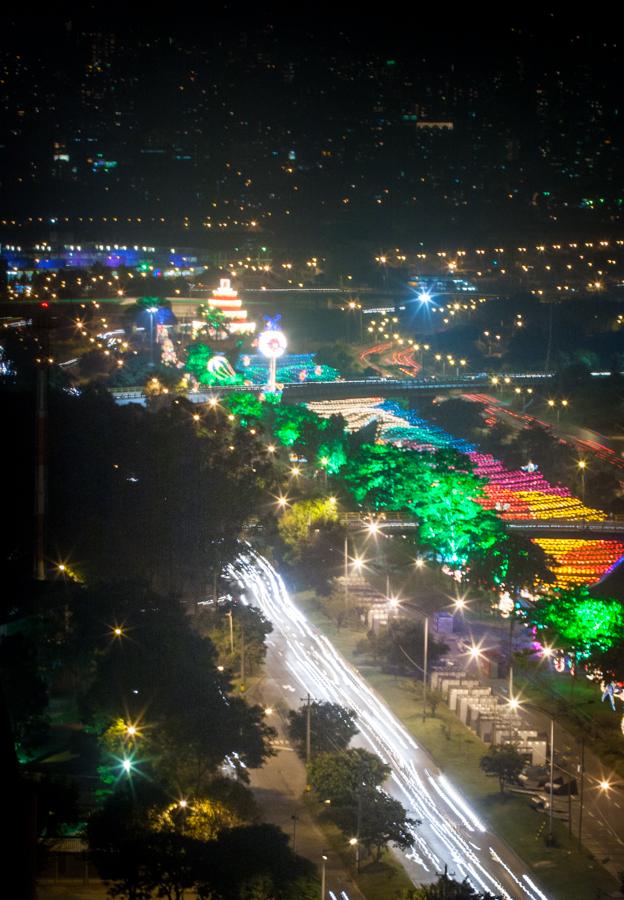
pixel 302 518
pixel 200 818
pixel 437 488
pixel 578 622
pixel 214 319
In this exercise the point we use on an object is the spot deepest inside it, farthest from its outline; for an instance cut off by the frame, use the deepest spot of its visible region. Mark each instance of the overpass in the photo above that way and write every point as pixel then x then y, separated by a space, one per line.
pixel 395 523
pixel 301 392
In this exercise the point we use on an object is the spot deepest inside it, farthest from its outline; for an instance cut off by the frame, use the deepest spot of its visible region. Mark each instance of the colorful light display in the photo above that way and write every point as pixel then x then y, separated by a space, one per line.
pixel 512 494
pixel 292 368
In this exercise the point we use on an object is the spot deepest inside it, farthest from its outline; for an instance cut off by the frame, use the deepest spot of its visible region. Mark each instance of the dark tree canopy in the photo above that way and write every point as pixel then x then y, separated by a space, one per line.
pixel 331 727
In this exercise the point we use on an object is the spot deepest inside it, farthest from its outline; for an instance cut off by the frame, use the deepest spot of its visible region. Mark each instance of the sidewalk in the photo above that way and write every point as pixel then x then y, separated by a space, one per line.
pixel 279 788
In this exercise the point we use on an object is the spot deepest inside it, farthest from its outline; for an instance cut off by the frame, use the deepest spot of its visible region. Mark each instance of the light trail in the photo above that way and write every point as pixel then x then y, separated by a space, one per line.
pixel 451 832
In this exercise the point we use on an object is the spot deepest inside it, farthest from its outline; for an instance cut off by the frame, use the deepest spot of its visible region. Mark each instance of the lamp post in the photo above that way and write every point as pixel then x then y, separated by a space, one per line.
pixel 346 573
pixel 229 615
pixel 323 887
pixel 152 310
pixel 582 467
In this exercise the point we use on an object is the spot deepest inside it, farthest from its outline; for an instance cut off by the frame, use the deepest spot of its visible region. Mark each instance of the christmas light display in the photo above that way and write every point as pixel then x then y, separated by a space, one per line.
pixel 291 368
pixel 511 494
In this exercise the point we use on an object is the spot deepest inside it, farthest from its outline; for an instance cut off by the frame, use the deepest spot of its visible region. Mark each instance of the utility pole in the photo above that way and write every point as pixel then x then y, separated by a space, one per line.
pixel 346 574
pixel 582 776
pixel 445 880
pixel 552 778
pixel 308 731
pixel 425 659
pixel 323 882
pixel 229 615
pixel 242 652
pixel 41 466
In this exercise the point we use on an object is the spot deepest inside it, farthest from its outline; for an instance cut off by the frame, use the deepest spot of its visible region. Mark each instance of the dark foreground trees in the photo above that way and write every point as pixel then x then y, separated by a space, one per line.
pixel 137 859
pixel 446 888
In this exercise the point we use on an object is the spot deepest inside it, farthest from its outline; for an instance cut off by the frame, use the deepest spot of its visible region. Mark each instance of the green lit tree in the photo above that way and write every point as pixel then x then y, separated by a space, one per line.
pixel 578 622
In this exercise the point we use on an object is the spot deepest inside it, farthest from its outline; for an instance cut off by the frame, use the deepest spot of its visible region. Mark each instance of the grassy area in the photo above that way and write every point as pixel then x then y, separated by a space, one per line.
pixel 381 880
pixel 565 872
pixel 576 704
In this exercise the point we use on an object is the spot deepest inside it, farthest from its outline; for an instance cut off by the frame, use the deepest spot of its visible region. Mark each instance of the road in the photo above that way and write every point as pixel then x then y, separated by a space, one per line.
pixel 303 660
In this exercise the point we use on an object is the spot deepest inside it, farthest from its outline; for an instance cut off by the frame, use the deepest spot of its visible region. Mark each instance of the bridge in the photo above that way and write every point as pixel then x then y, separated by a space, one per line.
pixel 301 392
pixel 395 523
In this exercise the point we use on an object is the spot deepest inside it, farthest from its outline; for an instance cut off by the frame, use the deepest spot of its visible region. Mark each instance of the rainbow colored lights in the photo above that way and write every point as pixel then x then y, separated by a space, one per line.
pixel 512 494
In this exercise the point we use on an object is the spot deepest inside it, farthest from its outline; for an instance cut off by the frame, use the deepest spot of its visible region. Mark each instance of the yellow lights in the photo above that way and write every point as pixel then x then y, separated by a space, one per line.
pixel 282 501
pixel 295 471
pixel 61 567
pixel 582 464
pixel 118 631
pixel 514 704
pixel 183 804
pixel 196 417
pixel 353 841
pixel 547 651
pixel 373 528
pixel 419 562
pixel 268 711
pixel 604 785
pixel 358 564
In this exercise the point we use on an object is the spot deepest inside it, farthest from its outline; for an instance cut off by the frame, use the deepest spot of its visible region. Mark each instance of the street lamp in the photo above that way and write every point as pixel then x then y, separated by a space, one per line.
pixel 152 310
pixel 323 889
pixel 582 467
pixel 354 842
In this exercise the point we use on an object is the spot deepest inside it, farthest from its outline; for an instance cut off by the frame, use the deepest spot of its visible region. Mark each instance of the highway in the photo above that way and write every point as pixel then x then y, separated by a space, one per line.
pixel 303 660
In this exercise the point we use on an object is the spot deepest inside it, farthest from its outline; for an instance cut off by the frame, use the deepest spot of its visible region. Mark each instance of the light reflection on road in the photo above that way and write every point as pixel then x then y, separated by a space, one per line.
pixel 451 832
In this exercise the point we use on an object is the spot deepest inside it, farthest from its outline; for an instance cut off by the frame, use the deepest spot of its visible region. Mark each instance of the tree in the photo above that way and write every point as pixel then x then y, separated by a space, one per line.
pixel 117 836
pixel 401 645
pixel 248 624
pixel 578 622
pixel 255 857
pixel 163 671
pixel 379 820
pixel 302 518
pixel 201 818
pixel 339 777
pixel 438 488
pixel 512 562
pixel 331 727
pixel 503 761
pixel 25 690
pixel 446 888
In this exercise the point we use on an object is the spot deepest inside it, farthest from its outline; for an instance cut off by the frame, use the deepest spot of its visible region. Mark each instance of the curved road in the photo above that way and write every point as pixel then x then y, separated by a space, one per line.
pixel 301 659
